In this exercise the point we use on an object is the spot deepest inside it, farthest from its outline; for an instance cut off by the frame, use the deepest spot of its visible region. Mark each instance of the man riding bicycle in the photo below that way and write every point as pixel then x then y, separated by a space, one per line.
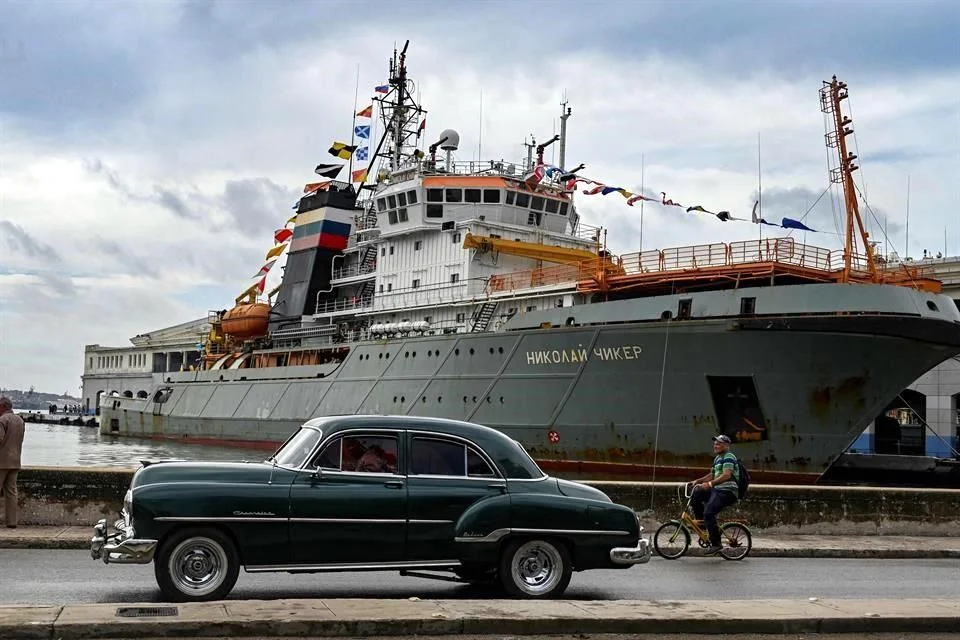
pixel 716 490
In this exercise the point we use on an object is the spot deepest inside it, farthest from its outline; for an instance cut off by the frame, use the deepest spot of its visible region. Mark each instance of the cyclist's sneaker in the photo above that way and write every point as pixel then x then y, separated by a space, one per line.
pixel 712 550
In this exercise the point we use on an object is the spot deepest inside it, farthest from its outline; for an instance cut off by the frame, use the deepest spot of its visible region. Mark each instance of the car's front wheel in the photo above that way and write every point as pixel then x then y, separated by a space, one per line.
pixel 195 565
pixel 535 568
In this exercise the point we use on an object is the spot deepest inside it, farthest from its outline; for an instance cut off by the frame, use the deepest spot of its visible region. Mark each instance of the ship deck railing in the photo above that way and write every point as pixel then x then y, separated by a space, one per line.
pixel 352 271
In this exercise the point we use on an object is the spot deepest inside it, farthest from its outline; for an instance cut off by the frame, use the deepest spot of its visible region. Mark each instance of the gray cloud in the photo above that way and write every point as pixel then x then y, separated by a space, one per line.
pixel 18 240
pixel 255 204
pixel 135 265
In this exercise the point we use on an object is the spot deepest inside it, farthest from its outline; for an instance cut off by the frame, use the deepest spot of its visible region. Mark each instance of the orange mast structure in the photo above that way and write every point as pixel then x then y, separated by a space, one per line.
pixel 831 95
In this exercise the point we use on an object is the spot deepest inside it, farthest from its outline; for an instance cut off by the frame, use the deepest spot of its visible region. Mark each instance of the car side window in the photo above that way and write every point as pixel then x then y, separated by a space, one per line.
pixel 329 457
pixel 429 456
pixel 369 454
pixel 477 467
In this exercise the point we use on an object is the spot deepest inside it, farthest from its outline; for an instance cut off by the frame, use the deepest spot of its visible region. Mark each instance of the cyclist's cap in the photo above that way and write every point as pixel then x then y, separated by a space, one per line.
pixel 723 439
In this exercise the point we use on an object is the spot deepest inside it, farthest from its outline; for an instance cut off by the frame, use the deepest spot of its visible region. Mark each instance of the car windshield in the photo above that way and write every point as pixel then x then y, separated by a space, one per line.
pixel 295 451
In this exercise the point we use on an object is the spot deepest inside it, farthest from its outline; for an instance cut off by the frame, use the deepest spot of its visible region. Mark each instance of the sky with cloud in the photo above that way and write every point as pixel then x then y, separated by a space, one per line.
pixel 148 150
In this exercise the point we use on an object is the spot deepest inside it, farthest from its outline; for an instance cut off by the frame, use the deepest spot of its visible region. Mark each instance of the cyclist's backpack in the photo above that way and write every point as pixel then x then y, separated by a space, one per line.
pixel 743 479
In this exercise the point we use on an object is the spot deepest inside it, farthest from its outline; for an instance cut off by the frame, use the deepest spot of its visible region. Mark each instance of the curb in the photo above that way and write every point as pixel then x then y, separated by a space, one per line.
pixel 368 618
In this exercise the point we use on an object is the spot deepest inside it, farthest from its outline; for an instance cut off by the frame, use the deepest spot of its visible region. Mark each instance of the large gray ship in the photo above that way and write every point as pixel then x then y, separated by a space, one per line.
pixel 472 290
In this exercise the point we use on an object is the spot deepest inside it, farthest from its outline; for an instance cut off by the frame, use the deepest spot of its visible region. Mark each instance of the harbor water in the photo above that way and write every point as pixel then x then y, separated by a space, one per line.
pixel 60 445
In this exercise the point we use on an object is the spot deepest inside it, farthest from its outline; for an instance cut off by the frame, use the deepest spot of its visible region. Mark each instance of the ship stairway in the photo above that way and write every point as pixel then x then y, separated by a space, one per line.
pixel 483 315
pixel 369 260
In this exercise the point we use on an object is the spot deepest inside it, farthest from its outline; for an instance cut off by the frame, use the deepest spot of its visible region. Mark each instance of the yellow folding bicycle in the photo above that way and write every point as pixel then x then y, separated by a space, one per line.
pixel 672 538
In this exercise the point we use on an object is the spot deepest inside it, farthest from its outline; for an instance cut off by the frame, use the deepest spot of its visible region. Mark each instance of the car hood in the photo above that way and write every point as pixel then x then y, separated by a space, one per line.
pixel 206 472
pixel 578 490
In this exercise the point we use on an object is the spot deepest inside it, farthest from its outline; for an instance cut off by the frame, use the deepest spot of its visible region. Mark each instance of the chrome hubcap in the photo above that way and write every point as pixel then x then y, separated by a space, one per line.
pixel 537 567
pixel 198 566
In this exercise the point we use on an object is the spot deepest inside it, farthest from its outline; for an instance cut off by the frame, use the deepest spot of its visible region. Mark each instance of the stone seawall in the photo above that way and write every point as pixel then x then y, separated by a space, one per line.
pixel 64 496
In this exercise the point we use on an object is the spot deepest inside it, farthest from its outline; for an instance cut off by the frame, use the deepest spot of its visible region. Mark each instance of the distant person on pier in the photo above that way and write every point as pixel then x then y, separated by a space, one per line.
pixel 11 444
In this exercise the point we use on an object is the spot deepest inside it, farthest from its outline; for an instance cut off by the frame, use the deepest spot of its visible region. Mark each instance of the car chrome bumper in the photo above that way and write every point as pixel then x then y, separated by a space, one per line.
pixel 639 554
pixel 119 546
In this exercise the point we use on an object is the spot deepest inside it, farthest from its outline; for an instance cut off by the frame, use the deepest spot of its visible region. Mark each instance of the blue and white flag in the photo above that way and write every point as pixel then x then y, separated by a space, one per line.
pixel 361 154
pixel 362 130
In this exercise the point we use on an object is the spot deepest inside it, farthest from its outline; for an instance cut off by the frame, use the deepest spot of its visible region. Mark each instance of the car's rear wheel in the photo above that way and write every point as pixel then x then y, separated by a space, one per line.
pixel 195 565
pixel 535 568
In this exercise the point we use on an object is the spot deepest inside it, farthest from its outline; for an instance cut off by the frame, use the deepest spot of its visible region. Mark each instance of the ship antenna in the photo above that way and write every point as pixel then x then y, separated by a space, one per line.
pixel 564 114
pixel 832 93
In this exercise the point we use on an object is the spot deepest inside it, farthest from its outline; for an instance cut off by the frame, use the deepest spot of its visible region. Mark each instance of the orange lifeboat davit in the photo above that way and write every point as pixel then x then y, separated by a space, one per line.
pixel 246 321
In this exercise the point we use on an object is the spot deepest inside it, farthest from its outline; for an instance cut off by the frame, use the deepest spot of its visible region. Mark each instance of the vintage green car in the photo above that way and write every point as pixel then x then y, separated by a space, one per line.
pixel 423 496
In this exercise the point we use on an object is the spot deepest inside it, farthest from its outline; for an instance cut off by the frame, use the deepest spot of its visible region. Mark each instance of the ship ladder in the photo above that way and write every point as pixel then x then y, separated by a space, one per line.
pixel 483 315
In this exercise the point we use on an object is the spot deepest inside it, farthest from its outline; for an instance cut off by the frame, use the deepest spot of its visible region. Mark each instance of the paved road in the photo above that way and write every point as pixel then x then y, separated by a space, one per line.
pixel 70 577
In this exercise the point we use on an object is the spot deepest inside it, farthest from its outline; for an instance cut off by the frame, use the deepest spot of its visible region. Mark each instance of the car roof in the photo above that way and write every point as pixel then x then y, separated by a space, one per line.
pixel 495 443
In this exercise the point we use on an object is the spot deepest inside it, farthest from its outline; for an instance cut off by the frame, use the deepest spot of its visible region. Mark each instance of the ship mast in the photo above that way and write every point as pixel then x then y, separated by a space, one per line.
pixel 400 114
pixel 831 95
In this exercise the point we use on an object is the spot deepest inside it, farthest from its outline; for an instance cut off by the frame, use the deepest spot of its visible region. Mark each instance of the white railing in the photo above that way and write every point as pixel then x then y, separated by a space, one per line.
pixel 345 304
pixel 353 270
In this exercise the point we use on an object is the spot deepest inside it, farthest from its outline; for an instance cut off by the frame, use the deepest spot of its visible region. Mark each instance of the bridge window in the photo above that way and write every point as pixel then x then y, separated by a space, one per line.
pixel 434 195
pixel 523 200
pixel 411 197
pixel 434 210
pixel 392 200
pixel 392 217
pixel 454 195
pixel 471 195
pixel 510 196
pixel 402 199
pixel 402 215
pixel 382 204
pixel 491 196
pixel 563 208
pixel 552 206
pixel 537 204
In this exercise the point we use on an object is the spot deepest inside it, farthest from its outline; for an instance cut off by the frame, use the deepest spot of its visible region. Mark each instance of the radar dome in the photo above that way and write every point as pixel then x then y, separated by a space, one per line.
pixel 452 142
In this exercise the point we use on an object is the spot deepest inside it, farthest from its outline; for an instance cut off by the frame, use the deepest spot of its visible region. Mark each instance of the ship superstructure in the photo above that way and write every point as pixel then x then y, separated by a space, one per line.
pixel 473 290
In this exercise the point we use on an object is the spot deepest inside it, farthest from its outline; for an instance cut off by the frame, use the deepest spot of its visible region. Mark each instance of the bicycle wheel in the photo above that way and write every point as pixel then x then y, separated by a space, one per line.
pixel 737 540
pixel 671 540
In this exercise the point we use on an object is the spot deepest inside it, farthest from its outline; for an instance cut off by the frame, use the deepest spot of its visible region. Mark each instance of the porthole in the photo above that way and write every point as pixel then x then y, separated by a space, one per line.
pixel 403 399
pixel 406 354
pixel 456 351
pixel 423 399
pixel 501 349
pixel 394 398
pixel 491 350
pixel 414 354
pixel 380 356
pixel 439 399
pixel 471 350
pixel 501 399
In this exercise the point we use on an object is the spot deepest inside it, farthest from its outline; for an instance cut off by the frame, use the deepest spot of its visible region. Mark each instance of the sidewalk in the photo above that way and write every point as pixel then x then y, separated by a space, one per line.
pixel 780 546
pixel 363 618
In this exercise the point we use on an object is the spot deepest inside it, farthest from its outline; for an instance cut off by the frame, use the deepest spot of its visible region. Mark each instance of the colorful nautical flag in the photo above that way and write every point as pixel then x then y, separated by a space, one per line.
pixel 277 250
pixel 328 170
pixel 310 187
pixel 361 154
pixel 293 218
pixel 282 235
pixel 341 150
pixel 360 175
pixel 362 131
pixel 265 269
pixel 423 125
pixel 366 112
pixel 262 284
pixel 788 223
pixel 698 208
pixel 383 88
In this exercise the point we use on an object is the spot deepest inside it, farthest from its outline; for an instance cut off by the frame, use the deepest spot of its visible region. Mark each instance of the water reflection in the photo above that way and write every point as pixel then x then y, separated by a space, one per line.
pixel 58 445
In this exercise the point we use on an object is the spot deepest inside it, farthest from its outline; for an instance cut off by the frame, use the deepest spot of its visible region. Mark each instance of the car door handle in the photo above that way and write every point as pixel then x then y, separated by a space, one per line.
pixel 498 485
pixel 393 484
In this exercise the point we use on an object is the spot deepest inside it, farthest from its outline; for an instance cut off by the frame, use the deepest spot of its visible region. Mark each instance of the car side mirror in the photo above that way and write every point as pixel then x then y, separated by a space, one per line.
pixel 317 474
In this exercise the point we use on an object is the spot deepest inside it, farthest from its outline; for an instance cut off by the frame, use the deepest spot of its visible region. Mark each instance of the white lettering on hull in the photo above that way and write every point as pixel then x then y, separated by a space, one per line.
pixel 564 356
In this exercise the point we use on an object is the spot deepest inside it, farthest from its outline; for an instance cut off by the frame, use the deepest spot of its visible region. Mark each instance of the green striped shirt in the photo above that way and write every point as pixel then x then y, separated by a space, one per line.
pixel 723 462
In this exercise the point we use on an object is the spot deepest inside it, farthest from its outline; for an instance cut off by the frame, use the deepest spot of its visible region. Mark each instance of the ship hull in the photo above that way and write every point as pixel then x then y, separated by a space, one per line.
pixel 641 398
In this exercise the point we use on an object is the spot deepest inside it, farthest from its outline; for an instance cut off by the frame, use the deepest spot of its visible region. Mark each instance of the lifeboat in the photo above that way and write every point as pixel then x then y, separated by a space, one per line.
pixel 246 320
